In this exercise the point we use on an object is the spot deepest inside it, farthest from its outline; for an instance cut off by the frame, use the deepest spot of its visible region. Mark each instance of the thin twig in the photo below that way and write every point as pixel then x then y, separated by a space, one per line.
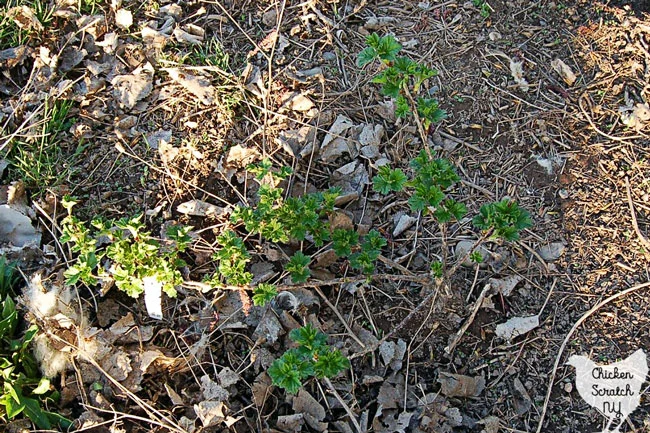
pixel 604 134
pixel 344 404
pixel 338 314
pixel 635 224
pixel 568 337
pixel 469 321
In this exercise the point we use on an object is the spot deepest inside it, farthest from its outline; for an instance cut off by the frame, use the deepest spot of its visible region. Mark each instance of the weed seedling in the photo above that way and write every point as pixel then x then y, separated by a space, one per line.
pixel 312 357
pixel 131 253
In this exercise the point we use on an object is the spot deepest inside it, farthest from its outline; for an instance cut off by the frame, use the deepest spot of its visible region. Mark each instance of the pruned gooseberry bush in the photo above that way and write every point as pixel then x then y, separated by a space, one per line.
pixel 283 220
pixel 312 357
pixel 398 76
pixel 428 190
pixel 123 251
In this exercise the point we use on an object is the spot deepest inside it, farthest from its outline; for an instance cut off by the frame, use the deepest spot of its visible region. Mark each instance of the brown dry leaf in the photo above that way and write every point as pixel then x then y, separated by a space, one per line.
pixel 458 385
pixel 261 389
pixel 402 223
pixel 391 393
pixel 157 37
pixel 291 423
pixel 564 71
pixel 14 56
pixel 123 19
pixel 269 328
pixel 196 85
pixel 210 412
pixel 637 117
pixel 110 42
pixel 393 353
pixel 25 18
pixel 167 152
pixel 491 423
pixel 129 89
pixel 336 142
pixel 228 377
pixel 313 411
pixel 117 365
pixel 176 399
pixel 200 208
pixel 371 135
pixel 16 228
pixel 340 220
pixel 521 400
pixel 190 34
pixel 352 177
pixel 211 390
pixel 107 311
pixel 324 259
pixel 297 142
pixel 240 157
pixel 393 422
pixel 517 72
pixel 505 285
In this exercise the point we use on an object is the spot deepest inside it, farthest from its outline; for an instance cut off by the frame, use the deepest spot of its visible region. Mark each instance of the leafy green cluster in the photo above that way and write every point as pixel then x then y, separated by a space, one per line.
pixel 484 8
pixel 312 357
pixel 298 267
pixel 22 389
pixel 232 257
pixel 399 75
pixel 281 220
pixel 131 255
pixel 432 177
pixel 506 218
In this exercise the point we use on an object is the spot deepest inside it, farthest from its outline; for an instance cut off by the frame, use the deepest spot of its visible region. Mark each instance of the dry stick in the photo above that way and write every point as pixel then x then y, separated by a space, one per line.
pixel 162 419
pixel 429 299
pixel 459 141
pixel 604 134
pixel 566 340
pixel 344 404
pixel 469 321
pixel 635 224
pixel 395 265
pixel 459 262
pixel 416 115
pixel 338 314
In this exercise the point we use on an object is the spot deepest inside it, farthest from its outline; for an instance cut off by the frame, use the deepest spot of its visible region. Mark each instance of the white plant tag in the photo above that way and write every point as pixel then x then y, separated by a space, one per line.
pixel 152 297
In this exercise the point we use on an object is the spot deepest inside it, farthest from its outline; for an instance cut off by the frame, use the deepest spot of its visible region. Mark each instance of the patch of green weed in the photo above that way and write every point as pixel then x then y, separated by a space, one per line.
pixel 41 160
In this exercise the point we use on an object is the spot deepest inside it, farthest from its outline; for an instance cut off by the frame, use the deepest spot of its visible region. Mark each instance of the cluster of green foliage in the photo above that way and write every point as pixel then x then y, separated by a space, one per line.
pixel 398 76
pixel 12 35
pixel 282 220
pixel 22 389
pixel 312 357
pixel 505 217
pixel 431 179
pixel 484 8
pixel 43 162
pixel 123 250
pixel 430 182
